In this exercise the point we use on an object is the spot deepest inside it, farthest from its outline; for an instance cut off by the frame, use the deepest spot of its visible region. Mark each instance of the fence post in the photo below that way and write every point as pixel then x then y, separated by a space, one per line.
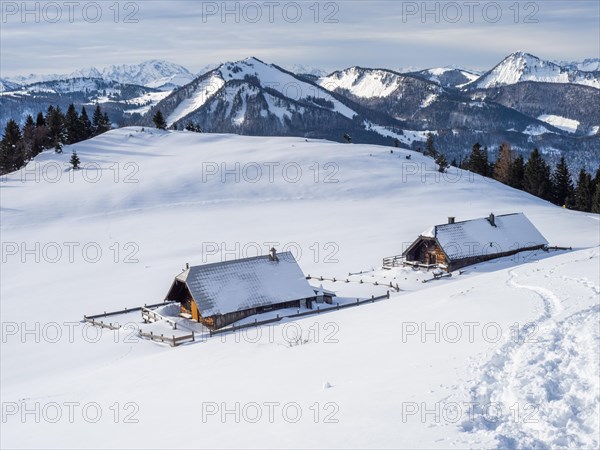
pixel 338 306
pixel 193 337
pixel 388 294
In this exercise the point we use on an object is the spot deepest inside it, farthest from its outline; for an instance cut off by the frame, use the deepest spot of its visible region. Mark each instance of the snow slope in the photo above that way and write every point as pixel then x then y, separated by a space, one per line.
pixel 165 198
pixel 6 85
pixel 563 123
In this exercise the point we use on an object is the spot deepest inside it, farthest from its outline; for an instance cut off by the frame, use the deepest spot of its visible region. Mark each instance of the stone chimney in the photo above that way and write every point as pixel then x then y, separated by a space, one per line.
pixel 492 219
pixel 451 219
pixel 187 266
pixel 273 254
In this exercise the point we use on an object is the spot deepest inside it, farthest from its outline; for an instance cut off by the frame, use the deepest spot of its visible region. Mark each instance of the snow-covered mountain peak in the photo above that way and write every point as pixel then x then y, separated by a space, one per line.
pixel 447 76
pixel 365 83
pixel 522 66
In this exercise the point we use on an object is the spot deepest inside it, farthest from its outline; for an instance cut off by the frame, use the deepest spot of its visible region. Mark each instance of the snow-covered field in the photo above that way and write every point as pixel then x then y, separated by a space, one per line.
pixel 563 123
pixel 504 355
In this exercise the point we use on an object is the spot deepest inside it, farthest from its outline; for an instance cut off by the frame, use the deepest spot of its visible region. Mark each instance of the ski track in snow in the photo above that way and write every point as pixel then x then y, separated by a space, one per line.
pixel 549 371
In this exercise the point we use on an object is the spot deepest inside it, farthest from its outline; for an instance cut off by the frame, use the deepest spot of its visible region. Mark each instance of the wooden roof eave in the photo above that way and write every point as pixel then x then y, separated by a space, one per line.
pixel 417 241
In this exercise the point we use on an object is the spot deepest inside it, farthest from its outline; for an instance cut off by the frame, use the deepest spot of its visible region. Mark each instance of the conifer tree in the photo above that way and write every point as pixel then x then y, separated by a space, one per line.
pixel 430 149
pixel 562 183
pixel 596 198
pixel 100 121
pixel 441 162
pixel 11 148
pixel 75 160
pixel 56 128
pixel 87 130
pixel 73 126
pixel 159 120
pixel 517 173
pixel 584 192
pixel 504 162
pixel 40 121
pixel 29 139
pixel 536 177
pixel 106 122
pixel 478 160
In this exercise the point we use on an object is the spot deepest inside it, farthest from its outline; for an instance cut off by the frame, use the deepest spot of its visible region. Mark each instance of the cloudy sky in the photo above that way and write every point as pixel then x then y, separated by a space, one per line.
pixel 61 36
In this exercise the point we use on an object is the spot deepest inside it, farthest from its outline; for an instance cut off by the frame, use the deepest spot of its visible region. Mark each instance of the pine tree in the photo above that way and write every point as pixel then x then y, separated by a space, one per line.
pixel 536 178
pixel 100 121
pixel 40 121
pixel 29 139
pixel 430 149
pixel 87 130
pixel 442 163
pixel 584 192
pixel 75 160
pixel 396 143
pixel 597 176
pixel 106 122
pixel 478 160
pixel 596 198
pixel 347 138
pixel 517 173
pixel 159 120
pixel 11 148
pixel 454 163
pixel 562 184
pixel 506 157
pixel 73 125
pixel 57 134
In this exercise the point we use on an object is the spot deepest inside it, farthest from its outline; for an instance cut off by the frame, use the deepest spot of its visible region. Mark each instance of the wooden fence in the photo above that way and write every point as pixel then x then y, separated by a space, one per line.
pixel 173 341
pixel 319 310
pixel 152 316
pixel 126 310
pixel 392 261
pixel 100 323
pixel 347 280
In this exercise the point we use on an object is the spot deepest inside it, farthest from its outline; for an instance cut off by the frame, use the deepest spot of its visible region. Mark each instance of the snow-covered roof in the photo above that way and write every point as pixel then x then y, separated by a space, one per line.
pixel 322 291
pixel 241 284
pixel 479 237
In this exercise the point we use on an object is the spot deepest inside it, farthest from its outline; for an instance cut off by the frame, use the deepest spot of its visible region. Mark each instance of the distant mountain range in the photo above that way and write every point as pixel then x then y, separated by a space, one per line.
pixel 524 100
pixel 154 74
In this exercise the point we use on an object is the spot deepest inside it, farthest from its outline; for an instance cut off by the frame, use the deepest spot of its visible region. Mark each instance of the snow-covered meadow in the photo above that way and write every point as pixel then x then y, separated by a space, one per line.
pixel 505 354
